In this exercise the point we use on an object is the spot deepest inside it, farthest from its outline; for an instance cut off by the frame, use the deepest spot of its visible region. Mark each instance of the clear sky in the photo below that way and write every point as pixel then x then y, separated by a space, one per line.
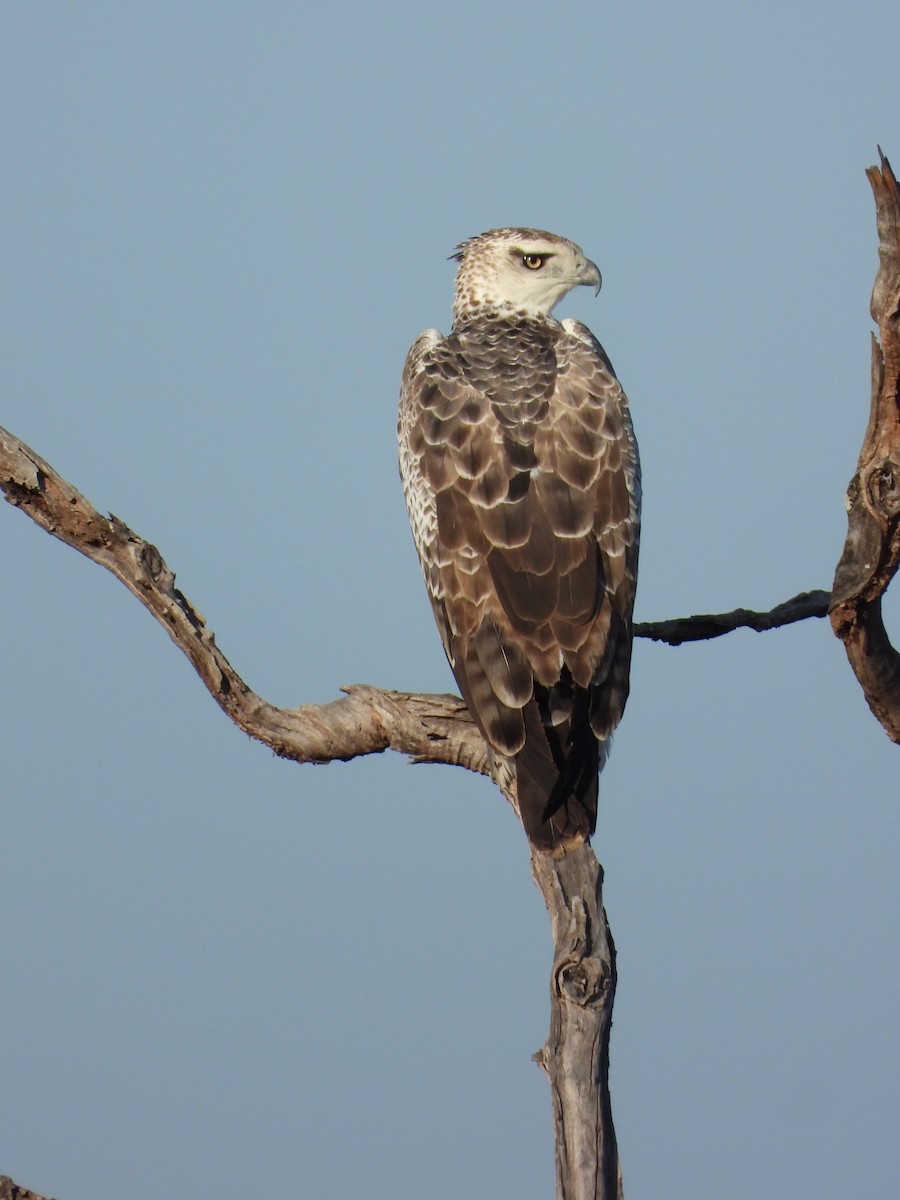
pixel 223 224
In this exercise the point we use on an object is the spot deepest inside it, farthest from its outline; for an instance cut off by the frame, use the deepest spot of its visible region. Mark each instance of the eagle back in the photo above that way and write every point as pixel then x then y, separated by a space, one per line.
pixel 521 477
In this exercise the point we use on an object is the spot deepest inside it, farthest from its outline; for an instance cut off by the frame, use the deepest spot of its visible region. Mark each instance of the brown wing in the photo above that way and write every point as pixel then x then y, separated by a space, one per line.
pixel 521 478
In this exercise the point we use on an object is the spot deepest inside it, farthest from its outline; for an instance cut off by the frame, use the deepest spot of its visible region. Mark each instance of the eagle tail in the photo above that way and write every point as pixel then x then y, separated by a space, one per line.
pixel 557 771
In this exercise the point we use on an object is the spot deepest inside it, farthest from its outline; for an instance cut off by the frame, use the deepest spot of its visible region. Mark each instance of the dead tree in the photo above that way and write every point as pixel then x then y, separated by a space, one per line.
pixel 437 728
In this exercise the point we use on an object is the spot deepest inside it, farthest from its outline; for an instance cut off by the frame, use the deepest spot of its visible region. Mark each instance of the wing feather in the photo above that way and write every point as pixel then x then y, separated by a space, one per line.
pixel 522 481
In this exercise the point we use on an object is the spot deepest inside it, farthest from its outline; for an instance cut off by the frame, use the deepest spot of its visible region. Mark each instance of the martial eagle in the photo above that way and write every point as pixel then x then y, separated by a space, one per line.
pixel 522 482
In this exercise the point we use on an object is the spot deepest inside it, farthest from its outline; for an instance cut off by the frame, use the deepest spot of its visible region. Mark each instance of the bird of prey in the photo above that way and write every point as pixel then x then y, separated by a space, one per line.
pixel 522 481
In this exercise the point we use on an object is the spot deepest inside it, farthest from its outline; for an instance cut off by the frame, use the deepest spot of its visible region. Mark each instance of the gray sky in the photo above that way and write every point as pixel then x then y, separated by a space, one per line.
pixel 223 225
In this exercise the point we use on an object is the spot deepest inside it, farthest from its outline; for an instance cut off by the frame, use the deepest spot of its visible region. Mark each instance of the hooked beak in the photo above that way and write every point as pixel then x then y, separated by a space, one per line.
pixel 590 274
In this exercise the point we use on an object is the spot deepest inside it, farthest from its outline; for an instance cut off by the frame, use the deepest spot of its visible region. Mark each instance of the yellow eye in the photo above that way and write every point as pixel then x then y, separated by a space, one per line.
pixel 533 262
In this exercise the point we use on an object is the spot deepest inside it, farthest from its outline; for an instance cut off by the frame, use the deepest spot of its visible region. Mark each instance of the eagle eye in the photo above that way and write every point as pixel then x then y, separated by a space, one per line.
pixel 533 262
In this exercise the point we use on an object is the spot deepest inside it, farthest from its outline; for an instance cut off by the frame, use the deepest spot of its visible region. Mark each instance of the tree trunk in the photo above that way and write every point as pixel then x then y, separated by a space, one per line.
pixel 576 1053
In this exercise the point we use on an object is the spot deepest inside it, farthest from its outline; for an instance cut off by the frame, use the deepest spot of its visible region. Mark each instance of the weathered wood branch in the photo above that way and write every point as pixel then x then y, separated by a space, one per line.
pixel 712 625
pixel 575 1056
pixel 367 720
pixel 872 549
pixel 12 1191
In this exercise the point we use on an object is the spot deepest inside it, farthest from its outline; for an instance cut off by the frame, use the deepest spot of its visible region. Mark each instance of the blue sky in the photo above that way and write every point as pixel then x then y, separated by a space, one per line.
pixel 223 225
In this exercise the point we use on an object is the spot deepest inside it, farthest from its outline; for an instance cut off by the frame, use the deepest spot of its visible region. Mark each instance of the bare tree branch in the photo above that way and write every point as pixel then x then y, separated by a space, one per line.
pixel 872 549
pixel 367 720
pixel 713 625
pixel 575 1056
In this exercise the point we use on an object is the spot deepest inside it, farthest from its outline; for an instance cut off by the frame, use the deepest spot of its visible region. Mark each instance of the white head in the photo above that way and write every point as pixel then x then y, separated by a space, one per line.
pixel 518 270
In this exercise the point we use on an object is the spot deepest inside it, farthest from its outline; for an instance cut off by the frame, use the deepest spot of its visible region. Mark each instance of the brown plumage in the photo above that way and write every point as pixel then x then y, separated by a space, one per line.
pixel 522 481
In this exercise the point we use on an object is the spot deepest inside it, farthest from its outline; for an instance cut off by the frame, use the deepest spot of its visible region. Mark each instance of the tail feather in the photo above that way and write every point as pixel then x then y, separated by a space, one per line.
pixel 557 773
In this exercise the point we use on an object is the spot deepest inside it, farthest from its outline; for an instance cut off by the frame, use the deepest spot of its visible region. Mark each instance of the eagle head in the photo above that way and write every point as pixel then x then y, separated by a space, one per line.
pixel 518 270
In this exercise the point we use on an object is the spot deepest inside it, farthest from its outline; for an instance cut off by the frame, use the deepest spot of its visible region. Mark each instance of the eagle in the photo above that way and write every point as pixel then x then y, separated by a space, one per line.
pixel 522 482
